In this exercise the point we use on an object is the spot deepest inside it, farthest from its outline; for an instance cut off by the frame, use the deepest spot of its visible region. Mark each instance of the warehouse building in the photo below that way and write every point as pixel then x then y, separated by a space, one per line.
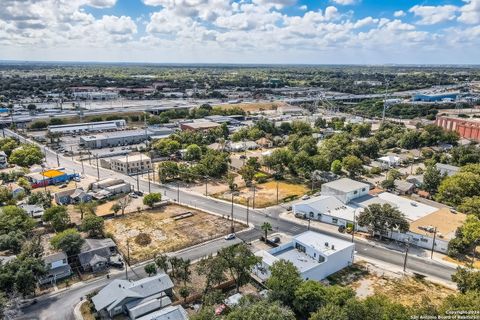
pixel 88 127
pixel 123 138
pixel 49 177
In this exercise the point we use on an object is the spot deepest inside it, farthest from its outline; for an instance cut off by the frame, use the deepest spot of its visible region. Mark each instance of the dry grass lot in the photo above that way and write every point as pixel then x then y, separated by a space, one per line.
pixel 166 234
pixel 266 193
pixel 367 280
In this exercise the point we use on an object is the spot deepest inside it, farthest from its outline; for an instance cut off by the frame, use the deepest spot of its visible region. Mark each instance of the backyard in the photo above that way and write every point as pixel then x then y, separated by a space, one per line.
pixel 165 229
pixel 266 193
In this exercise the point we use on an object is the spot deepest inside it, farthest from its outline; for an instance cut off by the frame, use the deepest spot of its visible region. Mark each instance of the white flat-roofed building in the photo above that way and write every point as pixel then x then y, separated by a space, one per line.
pixel 345 189
pixel 88 127
pixel 315 255
pixel 118 138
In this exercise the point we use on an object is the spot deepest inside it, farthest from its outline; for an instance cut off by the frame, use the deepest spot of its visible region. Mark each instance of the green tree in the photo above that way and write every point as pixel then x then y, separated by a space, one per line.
pixel 213 268
pixel 432 178
pixel 94 225
pixel 460 302
pixel 86 208
pixel 194 153
pixel 311 295
pixel 26 155
pixel 330 312
pixel 150 269
pixel 248 173
pixel 69 241
pixel 238 260
pixel 116 208
pixel 266 227
pixel 162 262
pixel 353 165
pixel 467 279
pixel 283 282
pixel 152 198
pixel 382 218
pixel 184 293
pixel 454 189
pixel 336 167
pixel 470 205
pixel 15 219
pixel 58 217
pixel 376 307
pixel 261 310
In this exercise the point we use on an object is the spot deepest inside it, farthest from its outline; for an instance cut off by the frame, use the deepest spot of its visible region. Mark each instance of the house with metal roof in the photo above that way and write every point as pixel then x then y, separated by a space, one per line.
pixel 134 298
pixel 169 313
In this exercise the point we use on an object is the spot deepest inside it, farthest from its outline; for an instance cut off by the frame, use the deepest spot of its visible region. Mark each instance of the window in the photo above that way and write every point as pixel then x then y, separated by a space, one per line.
pixel 334 220
pixel 299 247
pixel 355 192
pixel 363 189
pixel 311 214
pixel 424 240
pixel 319 216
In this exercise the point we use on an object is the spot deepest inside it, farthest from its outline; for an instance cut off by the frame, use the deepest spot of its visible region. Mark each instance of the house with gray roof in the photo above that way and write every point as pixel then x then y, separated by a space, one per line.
pixel 57 268
pixel 134 298
pixel 72 196
pixel 169 313
pixel 95 254
pixel 447 169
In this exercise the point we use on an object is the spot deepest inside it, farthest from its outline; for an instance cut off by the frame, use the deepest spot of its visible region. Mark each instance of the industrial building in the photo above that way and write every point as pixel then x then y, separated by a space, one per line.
pixel 77 128
pixel 123 138
pixel 466 128
pixel 109 187
pixel 315 255
pixel 199 126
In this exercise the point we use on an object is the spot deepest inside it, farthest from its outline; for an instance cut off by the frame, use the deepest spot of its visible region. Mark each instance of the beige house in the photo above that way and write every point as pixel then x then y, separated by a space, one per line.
pixel 131 164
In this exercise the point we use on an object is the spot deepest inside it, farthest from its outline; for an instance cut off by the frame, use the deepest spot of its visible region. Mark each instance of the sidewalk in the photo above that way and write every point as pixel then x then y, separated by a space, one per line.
pixel 418 252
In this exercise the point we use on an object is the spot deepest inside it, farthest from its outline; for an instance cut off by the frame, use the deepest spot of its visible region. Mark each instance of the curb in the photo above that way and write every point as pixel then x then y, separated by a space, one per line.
pixel 76 311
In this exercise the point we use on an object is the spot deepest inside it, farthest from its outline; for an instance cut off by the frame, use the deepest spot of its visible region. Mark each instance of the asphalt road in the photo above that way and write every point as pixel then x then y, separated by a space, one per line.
pixel 256 217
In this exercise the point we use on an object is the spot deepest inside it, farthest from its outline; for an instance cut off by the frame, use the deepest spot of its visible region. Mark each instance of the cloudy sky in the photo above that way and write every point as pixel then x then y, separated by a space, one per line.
pixel 244 31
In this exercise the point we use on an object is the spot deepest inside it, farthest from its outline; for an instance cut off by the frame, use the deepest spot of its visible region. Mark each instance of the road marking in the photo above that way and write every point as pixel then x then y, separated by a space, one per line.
pixel 294 228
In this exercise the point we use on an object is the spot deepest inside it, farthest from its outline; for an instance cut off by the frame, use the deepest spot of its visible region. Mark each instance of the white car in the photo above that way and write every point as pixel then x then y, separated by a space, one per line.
pixel 230 236
pixel 305 197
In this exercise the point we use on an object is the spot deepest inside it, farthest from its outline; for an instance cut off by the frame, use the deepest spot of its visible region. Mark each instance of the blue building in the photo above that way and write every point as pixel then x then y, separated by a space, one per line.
pixel 435 97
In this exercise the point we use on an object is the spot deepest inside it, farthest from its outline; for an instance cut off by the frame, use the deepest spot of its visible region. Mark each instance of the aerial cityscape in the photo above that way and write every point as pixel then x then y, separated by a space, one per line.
pixel 252 159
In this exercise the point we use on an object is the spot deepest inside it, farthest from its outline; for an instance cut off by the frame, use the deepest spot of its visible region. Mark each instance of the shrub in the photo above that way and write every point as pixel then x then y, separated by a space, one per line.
pixel 143 239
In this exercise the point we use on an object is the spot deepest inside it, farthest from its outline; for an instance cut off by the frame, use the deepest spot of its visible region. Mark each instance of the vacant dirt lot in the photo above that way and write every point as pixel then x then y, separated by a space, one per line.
pixel 266 193
pixel 367 280
pixel 166 233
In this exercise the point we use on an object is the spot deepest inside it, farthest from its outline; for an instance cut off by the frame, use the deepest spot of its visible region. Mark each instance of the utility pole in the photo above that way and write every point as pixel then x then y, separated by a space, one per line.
pixel 308 228
pixel 232 227
pixel 178 192
pixel 248 205
pixel 407 245
pixel 148 173
pixel 138 181
pixel 71 151
pixel 98 169
pixel 83 169
pixel 58 160
pixel 253 204
pixel 206 183
pixel 128 172
pixel 433 244
pixel 353 227
pixel 128 260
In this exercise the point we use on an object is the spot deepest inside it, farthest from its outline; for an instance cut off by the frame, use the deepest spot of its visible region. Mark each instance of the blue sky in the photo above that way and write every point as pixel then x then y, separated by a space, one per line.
pixel 245 31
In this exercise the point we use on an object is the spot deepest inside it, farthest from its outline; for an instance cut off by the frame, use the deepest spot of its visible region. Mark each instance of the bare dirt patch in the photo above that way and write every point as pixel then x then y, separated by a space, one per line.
pixel 254 106
pixel 266 193
pixel 167 234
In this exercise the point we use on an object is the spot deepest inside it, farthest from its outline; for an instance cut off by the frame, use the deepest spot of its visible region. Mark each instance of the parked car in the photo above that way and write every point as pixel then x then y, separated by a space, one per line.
pixel 62 186
pixel 306 197
pixel 275 240
pixel 230 236
pixel 133 195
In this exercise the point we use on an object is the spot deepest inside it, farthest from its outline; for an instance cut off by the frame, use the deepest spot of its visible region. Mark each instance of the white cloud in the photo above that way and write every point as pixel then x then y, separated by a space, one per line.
pixel 345 2
pixel 470 12
pixel 331 13
pixel 399 14
pixel 303 8
pixel 434 14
